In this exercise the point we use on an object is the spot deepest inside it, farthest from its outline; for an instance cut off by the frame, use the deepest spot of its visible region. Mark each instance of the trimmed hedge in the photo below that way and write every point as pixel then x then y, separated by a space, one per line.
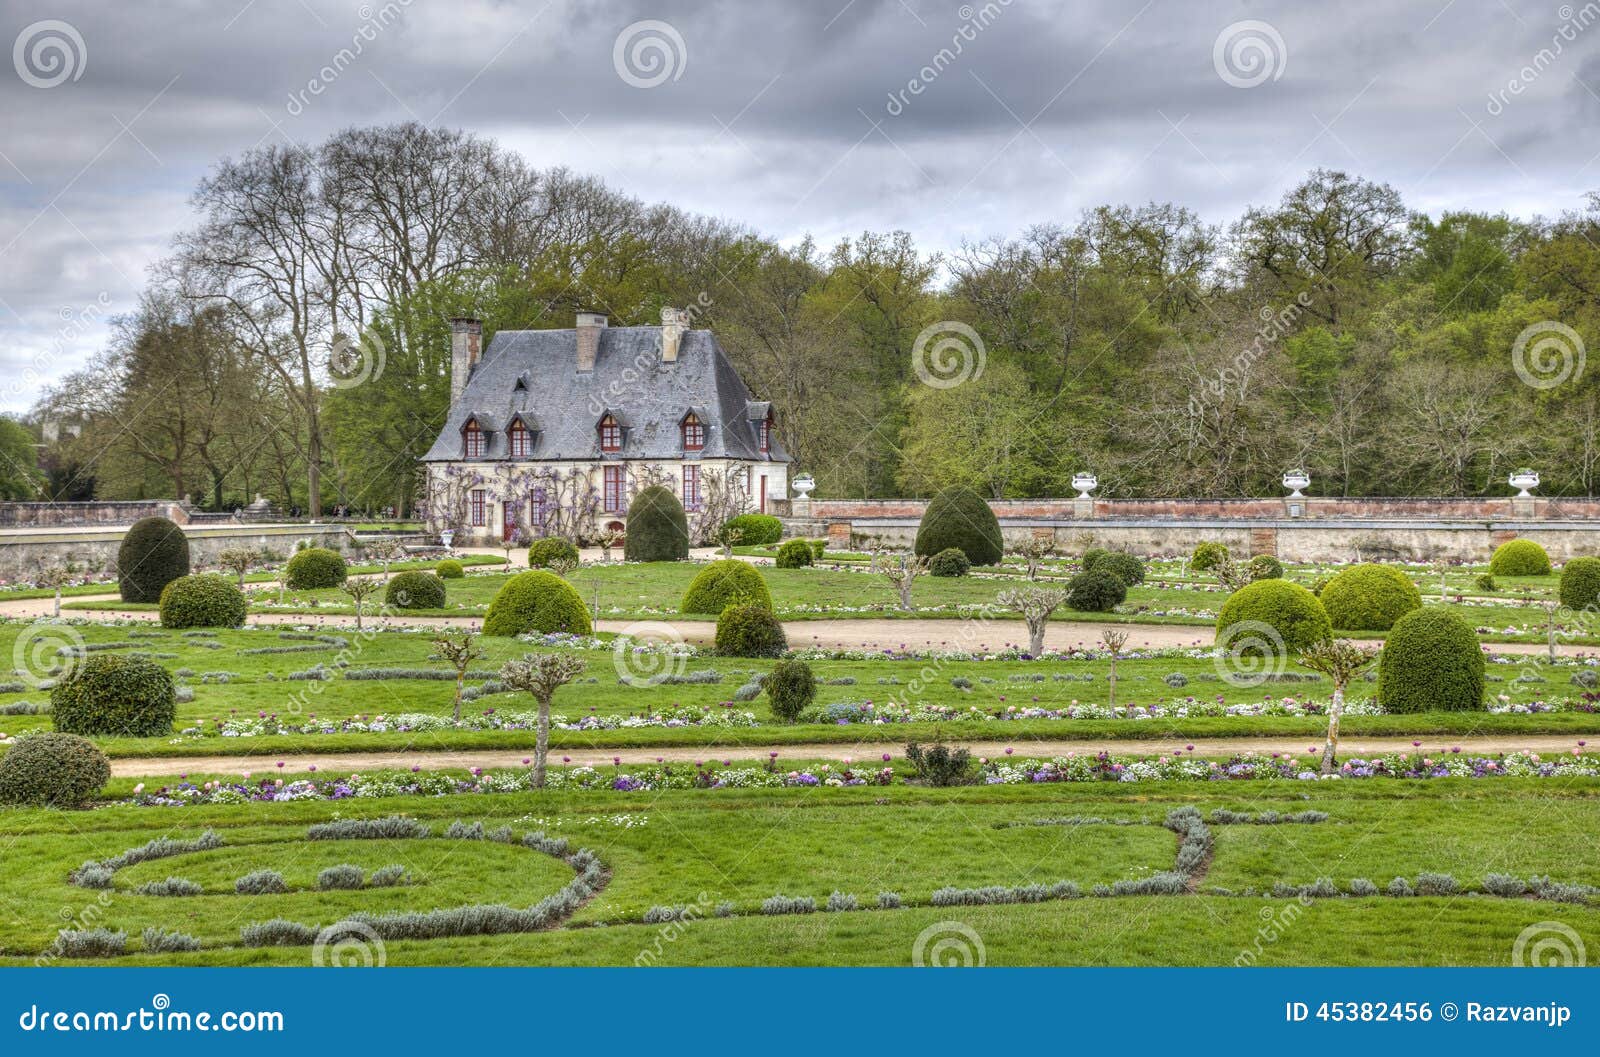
pixel 795 554
pixel 949 562
pixel 1289 609
pixel 450 569
pixel 313 568
pixel 1519 558
pixel 1093 591
pixel 790 689
pixel 725 583
pixel 1580 583
pixel 1431 661
pixel 536 601
pixel 1129 568
pixel 542 552
pixel 204 601
pixel 657 527
pixel 53 770
pixel 154 553
pixel 1369 597
pixel 757 530
pixel 958 517
pixel 105 694
pixel 415 590
pixel 1208 556
pixel 750 631
pixel 1265 567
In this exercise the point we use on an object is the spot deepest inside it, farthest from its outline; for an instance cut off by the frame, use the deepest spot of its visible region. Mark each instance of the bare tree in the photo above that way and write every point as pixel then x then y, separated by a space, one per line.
pixel 901 570
pixel 1035 604
pixel 1341 661
pixel 360 588
pixel 459 652
pixel 541 674
pixel 238 560
pixel 1113 639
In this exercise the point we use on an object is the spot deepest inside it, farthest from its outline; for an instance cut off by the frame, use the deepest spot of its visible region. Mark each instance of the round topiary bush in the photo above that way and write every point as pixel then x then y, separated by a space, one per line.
pixel 154 553
pixel 1580 583
pixel 313 568
pixel 724 583
pixel 796 554
pixel 536 601
pixel 756 530
pixel 53 770
pixel 657 527
pixel 1519 558
pixel 1292 612
pixel 1208 556
pixel 1265 567
pixel 542 553
pixel 1369 597
pixel 204 601
pixel 1431 661
pixel 106 694
pixel 750 631
pixel 958 517
pixel 414 590
pixel 1128 568
pixel 790 689
pixel 450 569
pixel 949 562
pixel 1093 591
pixel 1090 556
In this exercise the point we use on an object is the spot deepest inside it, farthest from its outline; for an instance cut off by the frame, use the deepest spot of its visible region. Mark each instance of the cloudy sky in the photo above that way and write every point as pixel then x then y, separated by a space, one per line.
pixel 795 116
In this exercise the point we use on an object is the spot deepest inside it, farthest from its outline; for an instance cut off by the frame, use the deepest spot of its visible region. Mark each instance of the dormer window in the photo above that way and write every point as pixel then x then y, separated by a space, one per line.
pixel 766 434
pixel 472 440
pixel 694 433
pixel 610 434
pixel 519 440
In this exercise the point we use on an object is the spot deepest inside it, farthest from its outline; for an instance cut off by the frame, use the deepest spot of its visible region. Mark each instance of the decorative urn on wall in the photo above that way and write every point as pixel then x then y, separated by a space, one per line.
pixel 446 536
pixel 1295 481
pixel 1524 479
pixel 804 485
pixel 1085 483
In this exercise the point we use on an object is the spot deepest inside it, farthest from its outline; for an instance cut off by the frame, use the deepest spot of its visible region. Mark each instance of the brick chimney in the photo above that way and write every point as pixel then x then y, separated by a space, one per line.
pixel 590 324
pixel 674 324
pixel 466 346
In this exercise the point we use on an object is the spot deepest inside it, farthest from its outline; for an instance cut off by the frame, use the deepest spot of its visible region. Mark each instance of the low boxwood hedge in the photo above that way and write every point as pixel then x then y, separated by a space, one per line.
pixel 203 601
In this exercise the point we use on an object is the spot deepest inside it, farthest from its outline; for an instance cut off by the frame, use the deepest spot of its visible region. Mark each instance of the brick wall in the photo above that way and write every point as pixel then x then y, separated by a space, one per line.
pixel 1469 509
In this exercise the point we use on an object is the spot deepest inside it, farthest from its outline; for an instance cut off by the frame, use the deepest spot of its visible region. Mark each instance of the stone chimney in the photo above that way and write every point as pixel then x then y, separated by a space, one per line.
pixel 466 346
pixel 674 324
pixel 590 324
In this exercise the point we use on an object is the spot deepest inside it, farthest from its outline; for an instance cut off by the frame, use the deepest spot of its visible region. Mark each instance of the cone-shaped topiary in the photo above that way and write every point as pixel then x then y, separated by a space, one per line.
pixel 1580 583
pixel 958 517
pixel 154 553
pixel 725 583
pixel 1369 597
pixel 536 601
pixel 1292 612
pixel 313 568
pixel 750 631
pixel 125 696
pixel 52 769
pixel 542 553
pixel 1519 558
pixel 415 590
pixel 1431 661
pixel 204 601
pixel 657 527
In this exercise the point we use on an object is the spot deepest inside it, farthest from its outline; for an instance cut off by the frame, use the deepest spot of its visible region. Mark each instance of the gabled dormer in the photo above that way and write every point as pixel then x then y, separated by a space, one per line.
pixel 522 437
pixel 610 431
pixel 474 438
pixel 692 430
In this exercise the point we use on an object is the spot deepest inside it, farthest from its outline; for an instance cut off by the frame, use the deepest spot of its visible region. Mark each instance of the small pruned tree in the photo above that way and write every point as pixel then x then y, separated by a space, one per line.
pixel 609 539
pixel 1341 661
pixel 1113 639
pixel 1034 550
pixel 56 577
pixel 360 588
pixel 901 570
pixel 725 536
pixel 1232 574
pixel 541 674
pixel 459 652
pixel 1035 604
pixel 384 551
pixel 239 561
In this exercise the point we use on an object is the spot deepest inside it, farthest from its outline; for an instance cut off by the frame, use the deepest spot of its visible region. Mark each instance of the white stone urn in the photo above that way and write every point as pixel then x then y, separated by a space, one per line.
pixel 1295 480
pixel 446 537
pixel 1524 480
pixel 804 485
pixel 1085 483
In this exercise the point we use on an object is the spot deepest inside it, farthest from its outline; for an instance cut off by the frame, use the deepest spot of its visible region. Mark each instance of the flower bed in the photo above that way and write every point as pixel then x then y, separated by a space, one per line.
pixel 264 724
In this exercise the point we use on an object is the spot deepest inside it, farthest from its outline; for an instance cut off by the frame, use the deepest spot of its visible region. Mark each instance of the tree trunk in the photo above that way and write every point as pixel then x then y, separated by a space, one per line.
pixel 1036 636
pixel 541 742
pixel 1330 750
pixel 460 685
pixel 1111 682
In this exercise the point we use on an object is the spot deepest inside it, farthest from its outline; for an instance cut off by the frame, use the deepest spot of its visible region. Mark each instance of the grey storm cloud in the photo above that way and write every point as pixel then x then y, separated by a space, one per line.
pixel 951 120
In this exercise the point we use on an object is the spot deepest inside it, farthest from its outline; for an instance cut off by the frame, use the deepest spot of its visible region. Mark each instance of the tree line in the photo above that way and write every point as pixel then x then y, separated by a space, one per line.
pixel 295 341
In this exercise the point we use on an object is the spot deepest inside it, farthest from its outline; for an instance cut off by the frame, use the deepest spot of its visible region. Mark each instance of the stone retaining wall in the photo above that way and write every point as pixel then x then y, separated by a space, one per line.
pixel 23 554
pixel 121 512
pixel 1501 508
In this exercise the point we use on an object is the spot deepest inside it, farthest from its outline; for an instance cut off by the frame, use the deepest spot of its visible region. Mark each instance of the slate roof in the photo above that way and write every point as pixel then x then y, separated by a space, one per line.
pixel 649 398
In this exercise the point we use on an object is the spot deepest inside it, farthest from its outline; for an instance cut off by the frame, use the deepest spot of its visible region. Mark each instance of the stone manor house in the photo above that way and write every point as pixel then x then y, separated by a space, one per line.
pixel 551 432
